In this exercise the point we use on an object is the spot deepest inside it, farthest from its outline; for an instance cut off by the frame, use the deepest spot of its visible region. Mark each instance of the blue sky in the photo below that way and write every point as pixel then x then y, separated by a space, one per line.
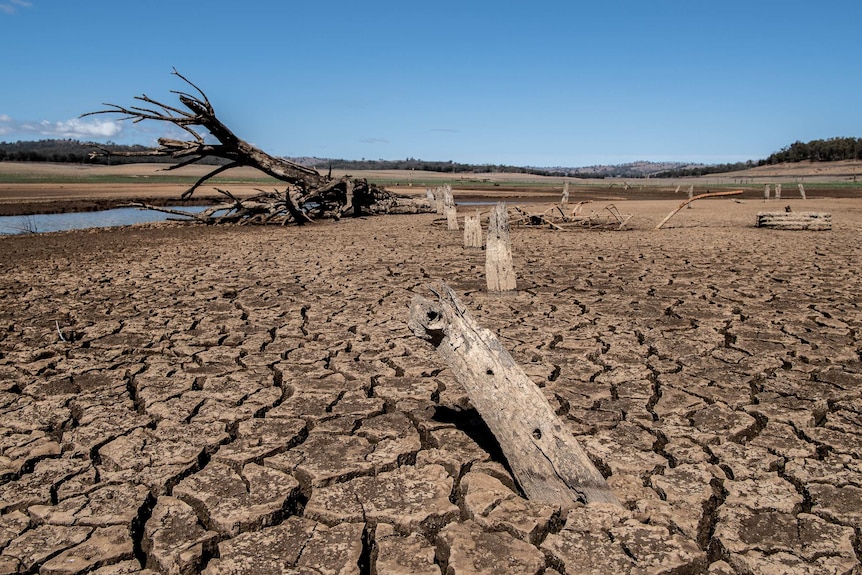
pixel 540 83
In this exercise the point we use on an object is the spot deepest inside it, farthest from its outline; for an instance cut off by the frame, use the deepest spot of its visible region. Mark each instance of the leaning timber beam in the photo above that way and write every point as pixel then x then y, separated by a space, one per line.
pixel 693 198
pixel 544 456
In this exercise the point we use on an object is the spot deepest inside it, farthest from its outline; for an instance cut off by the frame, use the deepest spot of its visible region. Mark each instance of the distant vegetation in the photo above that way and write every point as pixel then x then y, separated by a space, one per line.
pixel 703 170
pixel 74 151
pixel 830 150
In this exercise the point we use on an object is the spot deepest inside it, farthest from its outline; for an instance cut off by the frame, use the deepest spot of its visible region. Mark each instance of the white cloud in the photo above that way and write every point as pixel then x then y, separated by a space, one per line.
pixel 75 128
pixel 5 124
pixel 12 6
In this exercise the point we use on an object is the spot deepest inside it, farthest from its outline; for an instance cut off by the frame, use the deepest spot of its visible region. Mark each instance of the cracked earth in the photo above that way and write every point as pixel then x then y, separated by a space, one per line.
pixel 188 399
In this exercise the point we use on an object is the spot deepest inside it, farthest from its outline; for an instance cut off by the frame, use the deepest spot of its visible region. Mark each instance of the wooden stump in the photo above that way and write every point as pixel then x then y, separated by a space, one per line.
pixel 544 457
pixel 766 192
pixel 451 218
pixel 472 231
pixel 801 191
pixel 777 191
pixel 814 221
pixel 565 199
pixel 499 269
pixel 448 199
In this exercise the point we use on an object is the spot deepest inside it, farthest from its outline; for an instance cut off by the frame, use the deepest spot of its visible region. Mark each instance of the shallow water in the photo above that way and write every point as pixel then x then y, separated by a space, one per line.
pixel 41 223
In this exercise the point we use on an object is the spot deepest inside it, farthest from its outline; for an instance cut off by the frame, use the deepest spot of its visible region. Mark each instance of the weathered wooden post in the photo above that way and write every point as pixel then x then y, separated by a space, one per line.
pixel 449 208
pixel 777 191
pixel 440 200
pixel 565 199
pixel 545 458
pixel 429 194
pixel 766 192
pixel 676 191
pixel 472 231
pixel 690 195
pixel 801 190
pixel 499 269
pixel 448 199
pixel 451 218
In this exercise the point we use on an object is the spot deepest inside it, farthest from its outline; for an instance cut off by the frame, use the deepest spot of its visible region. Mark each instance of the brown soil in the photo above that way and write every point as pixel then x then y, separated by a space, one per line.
pixel 251 399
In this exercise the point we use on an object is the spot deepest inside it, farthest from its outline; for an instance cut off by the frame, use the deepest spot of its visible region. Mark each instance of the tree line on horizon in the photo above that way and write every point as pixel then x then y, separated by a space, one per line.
pixel 69 151
pixel 830 150
pixel 75 151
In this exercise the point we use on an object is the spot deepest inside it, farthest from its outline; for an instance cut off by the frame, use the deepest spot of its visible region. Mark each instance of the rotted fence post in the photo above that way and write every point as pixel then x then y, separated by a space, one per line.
pixel 472 231
pixel 449 209
pixel 565 199
pixel 766 192
pixel 499 269
pixel 801 191
pixel 777 191
pixel 451 218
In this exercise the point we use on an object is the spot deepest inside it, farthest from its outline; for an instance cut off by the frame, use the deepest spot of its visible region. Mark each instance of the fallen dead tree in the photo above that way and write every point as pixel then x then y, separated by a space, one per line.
pixel 544 456
pixel 308 195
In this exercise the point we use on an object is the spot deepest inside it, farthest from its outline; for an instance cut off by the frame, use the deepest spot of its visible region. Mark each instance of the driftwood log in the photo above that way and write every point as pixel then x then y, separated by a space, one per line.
pixel 308 195
pixel 814 221
pixel 544 457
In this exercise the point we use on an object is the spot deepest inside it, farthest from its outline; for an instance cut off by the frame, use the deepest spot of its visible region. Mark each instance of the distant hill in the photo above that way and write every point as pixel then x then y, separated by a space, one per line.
pixel 631 170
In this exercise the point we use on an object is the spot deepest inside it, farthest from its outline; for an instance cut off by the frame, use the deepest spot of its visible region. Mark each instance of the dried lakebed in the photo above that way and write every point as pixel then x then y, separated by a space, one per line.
pixel 251 400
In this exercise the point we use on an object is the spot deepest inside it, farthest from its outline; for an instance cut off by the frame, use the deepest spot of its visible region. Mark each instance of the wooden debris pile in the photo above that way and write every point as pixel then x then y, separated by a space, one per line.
pixel 790 220
pixel 561 217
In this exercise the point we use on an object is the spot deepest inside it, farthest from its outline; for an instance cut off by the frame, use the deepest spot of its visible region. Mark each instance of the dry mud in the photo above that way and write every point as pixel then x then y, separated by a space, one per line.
pixel 245 400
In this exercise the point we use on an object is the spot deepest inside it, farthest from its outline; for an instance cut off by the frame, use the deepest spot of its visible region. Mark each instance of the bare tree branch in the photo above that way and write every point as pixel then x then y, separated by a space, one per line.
pixel 308 191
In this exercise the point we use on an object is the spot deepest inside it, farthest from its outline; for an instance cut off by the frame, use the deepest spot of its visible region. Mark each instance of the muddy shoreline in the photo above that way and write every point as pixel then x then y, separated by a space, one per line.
pixel 181 397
